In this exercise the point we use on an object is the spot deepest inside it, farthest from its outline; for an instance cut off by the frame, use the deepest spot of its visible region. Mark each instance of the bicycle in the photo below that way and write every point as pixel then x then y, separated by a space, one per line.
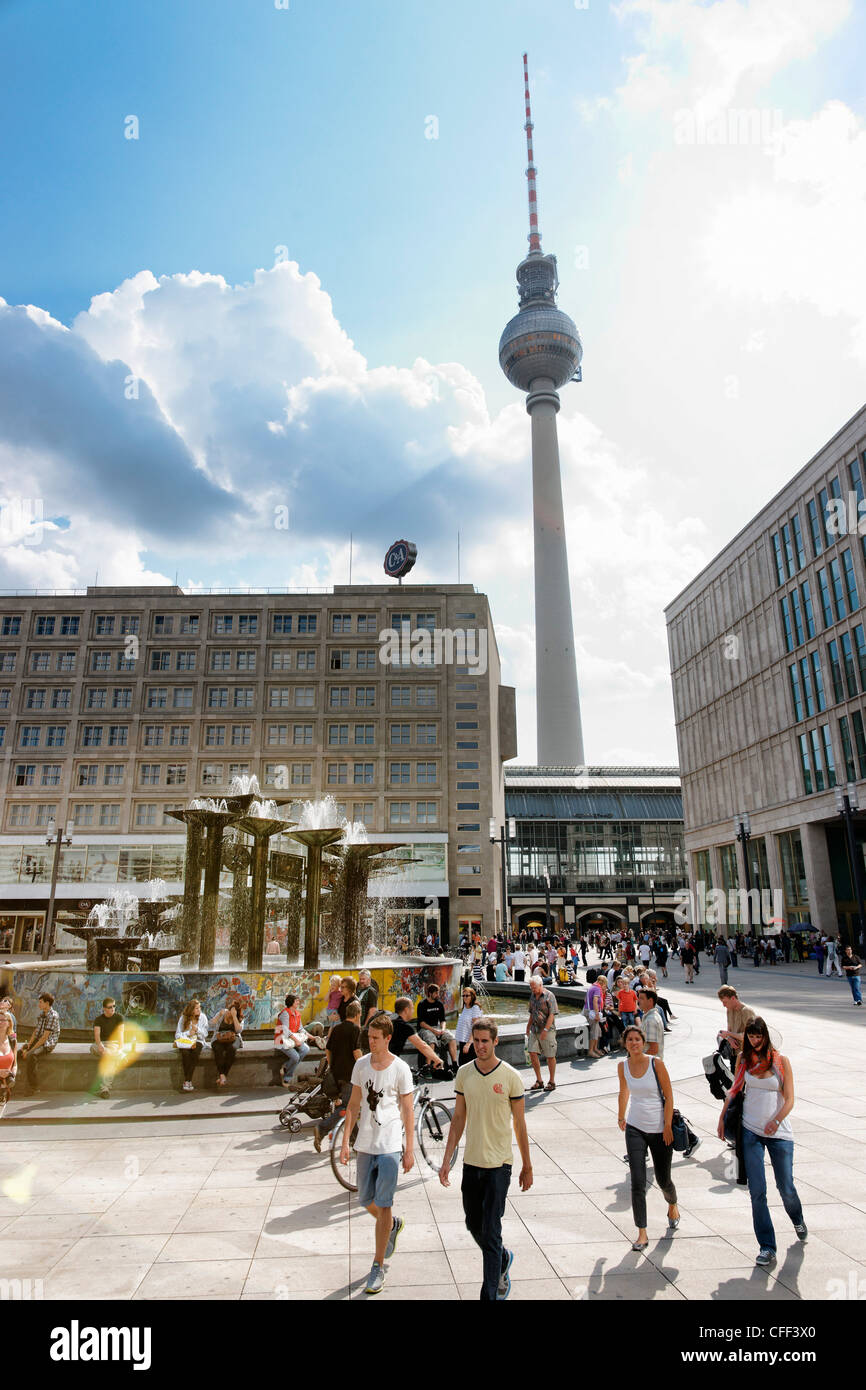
pixel 432 1127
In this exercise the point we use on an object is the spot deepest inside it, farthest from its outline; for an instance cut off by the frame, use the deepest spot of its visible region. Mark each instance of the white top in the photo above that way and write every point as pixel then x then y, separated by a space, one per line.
pixel 197 1029
pixel 645 1108
pixel 518 960
pixel 761 1103
pixel 380 1128
pixel 644 952
pixel 464 1022
pixel 533 954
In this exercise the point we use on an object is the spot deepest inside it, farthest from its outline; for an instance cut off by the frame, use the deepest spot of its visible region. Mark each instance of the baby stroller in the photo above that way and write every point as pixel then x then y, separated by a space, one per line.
pixel 719 1068
pixel 311 1099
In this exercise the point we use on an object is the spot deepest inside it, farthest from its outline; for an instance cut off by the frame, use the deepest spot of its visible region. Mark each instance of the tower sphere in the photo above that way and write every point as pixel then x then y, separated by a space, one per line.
pixel 540 342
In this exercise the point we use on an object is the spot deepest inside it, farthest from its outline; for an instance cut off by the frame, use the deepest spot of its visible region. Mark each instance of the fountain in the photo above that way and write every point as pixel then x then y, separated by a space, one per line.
pixel 150 909
pixel 317 828
pixel 261 823
pixel 106 932
pixel 212 817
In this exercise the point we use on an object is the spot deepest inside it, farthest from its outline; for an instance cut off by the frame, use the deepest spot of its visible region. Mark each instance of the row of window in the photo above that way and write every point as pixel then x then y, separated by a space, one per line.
pixel 806 677
pixel 789 553
pixel 222 624
pixel 108 814
pixel 836 583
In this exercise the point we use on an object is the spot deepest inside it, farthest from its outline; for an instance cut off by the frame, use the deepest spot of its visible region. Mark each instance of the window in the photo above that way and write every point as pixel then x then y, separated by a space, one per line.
pixel 160 661
pixel 338 733
pixel 401 733
pixel 796 696
pixel 399 772
pixel 130 626
pixel 242 735
pixel 860 643
pixel 184 661
pixel 399 813
pixel 163 625
pixel 847 750
pixel 82 813
pixel 248 624
pixel 302 774
pixel 307 622
pixel 61 699
pixel 363 811
pixel 69 626
pixel 45 814
pixel 112 775
pixel 365 733
pixel 175 775
pixel 305 696
pixel 278 734
pixel 247 660
pixel 829 761
pixel 157 697
pixel 468 786
pixel 88 775
pixel 340 623
pixel 366 660
pixel 278 697
pixel 469 869
pixel 466 744
pixel 338 697
pixel 401 622
pixel 39 661
pixel 281 622
pixel 44 627
pixel 836 585
pixel 11 627
pixel 467 826
pixel 218 697
pixel 124 663
pixel 365 696
pixel 220 660
pixel 50 775
pixel 35 699
pixel 65 661
pixel 104 625
pixel 222 623
pixel 339 660
pixel 179 734
pixel 466 725
pixel 401 695
pixel 281 661
pixel 338 774
pixel 55 735
pixel 91 735
pixel 797 533
pixel 367 622
pixel 149 774
pixel 428 773
pixel 19 815
pixel 808 612
pixel 96 698
pixel 118 735
pixel 305 660
pixel 244 697
pixel 468 806
pixel 850 581
pixel 426 733
pixel 145 814
pixel 276 775
pixel 121 697
pixel 472 704
pixel 189 625
pixel 467 685
pixel 859 740
pixel 109 815
pixel 301 734
pixel 426 813
pixel 824 588
pixel 101 661
pixel 25 775
pixel 214 735
pixel 426 695
pixel 814 528
pixel 363 774
pixel 817 760
pixel 181 697
pixel 5 698
pixel 211 774
pixel 848 663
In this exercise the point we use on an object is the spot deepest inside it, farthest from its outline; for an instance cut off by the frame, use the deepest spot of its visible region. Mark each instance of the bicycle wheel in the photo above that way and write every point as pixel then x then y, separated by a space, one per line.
pixel 346 1174
pixel 434 1126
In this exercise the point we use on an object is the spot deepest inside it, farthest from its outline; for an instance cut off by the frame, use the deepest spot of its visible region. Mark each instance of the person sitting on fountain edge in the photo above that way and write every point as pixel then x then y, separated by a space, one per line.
pixel 406 1032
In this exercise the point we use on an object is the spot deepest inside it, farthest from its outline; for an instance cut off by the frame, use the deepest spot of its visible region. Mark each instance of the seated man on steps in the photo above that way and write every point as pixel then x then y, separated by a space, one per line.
pixel 406 1032
pixel 108 1045
pixel 42 1040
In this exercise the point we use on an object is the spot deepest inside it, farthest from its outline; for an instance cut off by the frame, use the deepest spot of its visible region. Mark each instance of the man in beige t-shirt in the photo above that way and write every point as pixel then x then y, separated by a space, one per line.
pixel 739 1015
pixel 489 1102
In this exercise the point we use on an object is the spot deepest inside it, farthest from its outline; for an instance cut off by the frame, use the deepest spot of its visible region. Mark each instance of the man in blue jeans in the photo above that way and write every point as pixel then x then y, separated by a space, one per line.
pixel 489 1101
pixel 852 966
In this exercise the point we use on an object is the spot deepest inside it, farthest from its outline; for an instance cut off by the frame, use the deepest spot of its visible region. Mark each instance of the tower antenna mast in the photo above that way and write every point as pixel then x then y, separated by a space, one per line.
pixel 531 171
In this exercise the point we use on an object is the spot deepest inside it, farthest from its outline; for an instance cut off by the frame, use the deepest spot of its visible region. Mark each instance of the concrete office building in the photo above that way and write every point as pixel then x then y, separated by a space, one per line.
pixel 118 704
pixel 609 838
pixel 768 661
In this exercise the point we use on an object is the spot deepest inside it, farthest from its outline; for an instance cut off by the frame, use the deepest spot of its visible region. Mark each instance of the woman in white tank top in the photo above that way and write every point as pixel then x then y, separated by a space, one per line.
pixel 766 1081
pixel 645 1088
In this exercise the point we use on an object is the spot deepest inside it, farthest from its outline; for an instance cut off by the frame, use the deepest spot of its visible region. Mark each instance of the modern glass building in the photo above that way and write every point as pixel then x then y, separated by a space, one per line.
pixel 606 842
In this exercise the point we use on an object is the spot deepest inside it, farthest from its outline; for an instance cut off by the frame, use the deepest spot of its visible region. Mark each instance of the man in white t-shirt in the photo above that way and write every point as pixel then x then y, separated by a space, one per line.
pixel 518 963
pixel 533 956
pixel 645 952
pixel 381 1103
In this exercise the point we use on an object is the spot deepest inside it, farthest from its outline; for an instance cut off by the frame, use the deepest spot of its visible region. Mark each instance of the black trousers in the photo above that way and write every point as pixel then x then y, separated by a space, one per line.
pixel 188 1058
pixel 33 1061
pixel 224 1055
pixel 636 1143
pixel 484 1191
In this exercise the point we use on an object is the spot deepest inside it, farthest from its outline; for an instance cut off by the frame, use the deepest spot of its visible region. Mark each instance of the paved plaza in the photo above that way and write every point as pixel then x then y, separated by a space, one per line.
pixel 223 1204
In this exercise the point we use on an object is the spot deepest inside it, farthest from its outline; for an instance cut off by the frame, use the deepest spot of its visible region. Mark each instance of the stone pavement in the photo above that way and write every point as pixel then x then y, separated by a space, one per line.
pixel 221 1204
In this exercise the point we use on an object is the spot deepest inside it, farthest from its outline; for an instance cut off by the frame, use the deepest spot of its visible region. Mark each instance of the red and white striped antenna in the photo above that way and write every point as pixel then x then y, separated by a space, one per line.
pixel 534 233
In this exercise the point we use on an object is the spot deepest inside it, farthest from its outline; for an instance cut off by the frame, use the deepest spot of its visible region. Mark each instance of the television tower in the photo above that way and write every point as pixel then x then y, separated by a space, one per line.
pixel 539 351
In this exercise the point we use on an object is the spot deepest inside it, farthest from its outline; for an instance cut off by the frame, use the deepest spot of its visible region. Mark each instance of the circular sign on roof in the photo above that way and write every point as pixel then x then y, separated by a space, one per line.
pixel 400 558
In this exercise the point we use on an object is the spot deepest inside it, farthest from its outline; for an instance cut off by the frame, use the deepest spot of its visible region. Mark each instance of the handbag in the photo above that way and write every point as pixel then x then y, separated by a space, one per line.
pixel 228 1035
pixel 734 1117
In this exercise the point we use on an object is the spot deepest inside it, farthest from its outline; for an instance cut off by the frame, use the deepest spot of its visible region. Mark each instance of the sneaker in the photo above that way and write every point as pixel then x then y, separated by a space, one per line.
pixel 396 1228
pixel 105 1094
pixel 687 1153
pixel 504 1286
pixel 801 1232
pixel 766 1259
pixel 375 1279
pixel 187 1085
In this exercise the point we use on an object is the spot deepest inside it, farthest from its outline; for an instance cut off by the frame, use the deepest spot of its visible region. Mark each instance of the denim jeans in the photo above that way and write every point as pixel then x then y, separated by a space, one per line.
pixel 626 1019
pixel 854 982
pixel 294 1056
pixel 484 1191
pixel 782 1159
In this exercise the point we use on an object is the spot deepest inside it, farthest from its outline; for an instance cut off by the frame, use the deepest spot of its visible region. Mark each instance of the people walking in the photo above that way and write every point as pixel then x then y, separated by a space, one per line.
pixel 832 963
pixel 189 1038
pixel 541 1033
pixel 645 1088
pixel 739 1015
pixel 687 958
pixel 767 1081
pixel 342 1052
pixel 722 957
pixel 381 1105
pixel 489 1103
pixel 593 1007
pixel 852 965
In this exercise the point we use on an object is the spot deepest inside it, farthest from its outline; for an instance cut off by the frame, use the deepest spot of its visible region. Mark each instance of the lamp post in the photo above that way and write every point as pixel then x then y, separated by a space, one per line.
pixel 743 832
pixel 653 896
pixel 502 841
pixel 60 841
pixel 545 873
pixel 847 803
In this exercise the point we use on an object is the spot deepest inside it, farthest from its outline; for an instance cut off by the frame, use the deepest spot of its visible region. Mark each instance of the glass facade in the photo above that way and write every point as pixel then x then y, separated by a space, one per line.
pixel 793 877
pixel 597 857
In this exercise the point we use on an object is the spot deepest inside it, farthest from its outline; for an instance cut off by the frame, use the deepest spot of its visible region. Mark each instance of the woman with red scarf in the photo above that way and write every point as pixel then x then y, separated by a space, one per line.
pixel 765 1082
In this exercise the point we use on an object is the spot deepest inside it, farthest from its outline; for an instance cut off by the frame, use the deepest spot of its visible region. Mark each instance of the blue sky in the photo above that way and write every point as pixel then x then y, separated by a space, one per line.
pixel 686 269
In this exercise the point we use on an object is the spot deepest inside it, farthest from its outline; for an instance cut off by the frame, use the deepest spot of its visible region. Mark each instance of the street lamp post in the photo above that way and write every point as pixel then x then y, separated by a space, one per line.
pixel 60 841
pixel 547 914
pixel 653 896
pixel 743 832
pixel 502 841
pixel 847 803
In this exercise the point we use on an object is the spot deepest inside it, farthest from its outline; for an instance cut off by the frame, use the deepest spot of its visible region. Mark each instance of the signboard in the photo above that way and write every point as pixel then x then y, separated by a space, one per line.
pixel 400 558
